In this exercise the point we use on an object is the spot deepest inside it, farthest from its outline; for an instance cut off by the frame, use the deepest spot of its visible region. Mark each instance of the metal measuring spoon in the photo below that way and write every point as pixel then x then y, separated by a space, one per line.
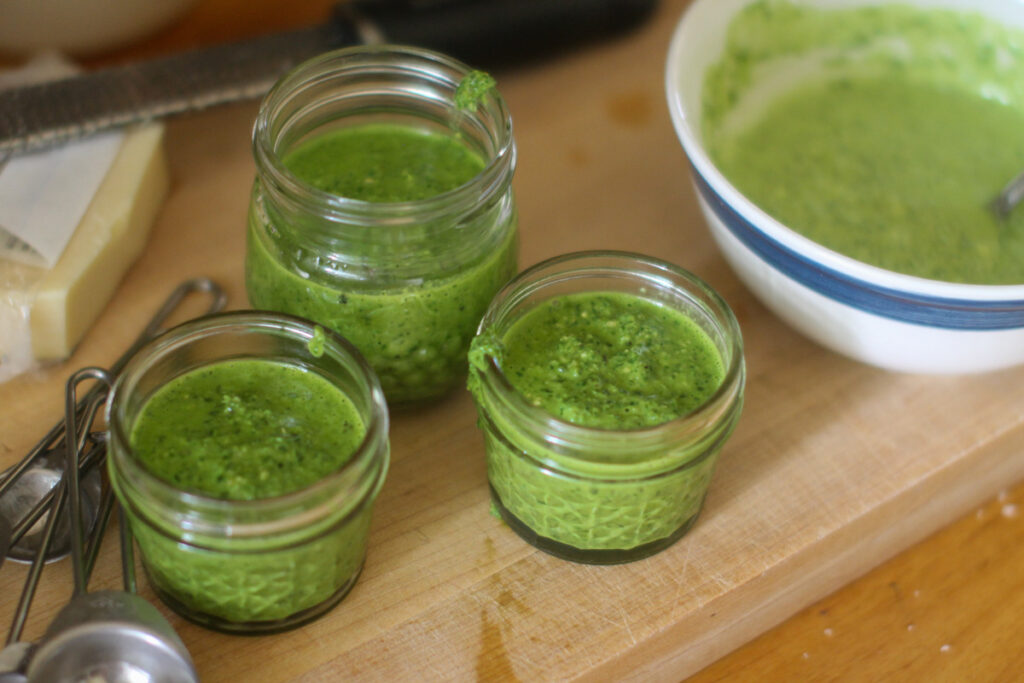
pixel 15 656
pixel 25 486
pixel 111 636
pixel 37 517
pixel 33 492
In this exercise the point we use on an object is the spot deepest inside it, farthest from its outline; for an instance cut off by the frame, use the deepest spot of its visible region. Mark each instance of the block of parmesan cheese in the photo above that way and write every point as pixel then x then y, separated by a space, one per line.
pixel 44 313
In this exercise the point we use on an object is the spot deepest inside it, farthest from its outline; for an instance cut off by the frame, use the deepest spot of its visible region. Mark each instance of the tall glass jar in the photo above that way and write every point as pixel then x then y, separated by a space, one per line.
pixel 406 281
pixel 602 495
pixel 261 565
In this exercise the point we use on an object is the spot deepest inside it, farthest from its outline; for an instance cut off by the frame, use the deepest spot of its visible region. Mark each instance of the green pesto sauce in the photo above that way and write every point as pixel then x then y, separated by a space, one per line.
pixel 246 588
pixel 472 90
pixel 414 336
pixel 611 360
pixel 890 148
pixel 384 163
pixel 246 429
pixel 606 360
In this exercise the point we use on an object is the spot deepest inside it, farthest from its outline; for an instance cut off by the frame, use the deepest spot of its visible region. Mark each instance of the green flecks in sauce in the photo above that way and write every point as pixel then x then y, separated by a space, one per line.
pixel 894 186
pixel 472 90
pixel 414 337
pixel 608 360
pixel 611 360
pixel 890 147
pixel 315 346
pixel 384 163
pixel 246 429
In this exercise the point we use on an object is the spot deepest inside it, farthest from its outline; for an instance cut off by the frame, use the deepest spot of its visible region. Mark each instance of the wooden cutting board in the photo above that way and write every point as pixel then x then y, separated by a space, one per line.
pixel 834 467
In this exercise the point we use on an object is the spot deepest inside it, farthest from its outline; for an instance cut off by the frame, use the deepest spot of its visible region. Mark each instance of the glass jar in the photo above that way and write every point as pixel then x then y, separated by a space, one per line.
pixel 602 495
pixel 262 565
pixel 406 281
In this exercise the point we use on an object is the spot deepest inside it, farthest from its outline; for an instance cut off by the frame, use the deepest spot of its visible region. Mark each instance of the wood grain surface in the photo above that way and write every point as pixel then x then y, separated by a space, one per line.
pixel 835 468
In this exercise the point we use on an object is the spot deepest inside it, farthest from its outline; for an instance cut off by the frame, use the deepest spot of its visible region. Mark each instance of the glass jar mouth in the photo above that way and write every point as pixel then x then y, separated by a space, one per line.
pixel 391 78
pixel 362 473
pixel 600 445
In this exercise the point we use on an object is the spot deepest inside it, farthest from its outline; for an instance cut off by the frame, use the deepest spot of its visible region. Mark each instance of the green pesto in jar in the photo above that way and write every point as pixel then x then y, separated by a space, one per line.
pixel 383 162
pixel 888 141
pixel 414 335
pixel 613 361
pixel 246 430
pixel 608 360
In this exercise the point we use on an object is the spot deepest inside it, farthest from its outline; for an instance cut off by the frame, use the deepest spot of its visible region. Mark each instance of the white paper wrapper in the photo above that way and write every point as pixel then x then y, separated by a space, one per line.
pixel 43 197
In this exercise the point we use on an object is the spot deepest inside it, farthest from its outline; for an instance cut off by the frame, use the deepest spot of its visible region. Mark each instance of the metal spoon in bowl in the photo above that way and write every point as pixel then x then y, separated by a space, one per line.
pixel 1009 197
pixel 28 486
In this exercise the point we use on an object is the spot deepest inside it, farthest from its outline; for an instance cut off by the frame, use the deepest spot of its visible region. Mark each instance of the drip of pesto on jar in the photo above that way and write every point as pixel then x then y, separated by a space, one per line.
pixel 472 90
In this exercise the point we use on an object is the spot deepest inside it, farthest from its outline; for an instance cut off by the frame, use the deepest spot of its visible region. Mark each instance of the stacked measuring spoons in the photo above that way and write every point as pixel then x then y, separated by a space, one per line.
pixel 111 636
pixel 27 489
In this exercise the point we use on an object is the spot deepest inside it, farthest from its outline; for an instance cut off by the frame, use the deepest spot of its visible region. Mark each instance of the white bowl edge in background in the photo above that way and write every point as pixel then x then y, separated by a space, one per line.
pixel 871 338
pixel 81 26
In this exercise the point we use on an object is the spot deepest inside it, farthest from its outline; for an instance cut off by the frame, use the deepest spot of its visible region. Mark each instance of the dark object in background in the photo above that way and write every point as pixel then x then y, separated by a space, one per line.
pixel 494 33
pixel 487 33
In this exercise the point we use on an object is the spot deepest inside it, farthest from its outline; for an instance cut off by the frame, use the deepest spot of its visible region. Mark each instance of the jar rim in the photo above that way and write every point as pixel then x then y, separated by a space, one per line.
pixel 409 61
pixel 275 512
pixel 598 445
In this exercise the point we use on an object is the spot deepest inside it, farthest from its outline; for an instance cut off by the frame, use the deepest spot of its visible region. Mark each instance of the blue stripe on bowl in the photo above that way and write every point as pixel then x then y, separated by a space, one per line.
pixel 919 309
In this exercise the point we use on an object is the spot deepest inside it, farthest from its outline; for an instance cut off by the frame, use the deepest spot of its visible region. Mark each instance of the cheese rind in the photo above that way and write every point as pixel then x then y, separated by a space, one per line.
pixel 17 287
pixel 45 313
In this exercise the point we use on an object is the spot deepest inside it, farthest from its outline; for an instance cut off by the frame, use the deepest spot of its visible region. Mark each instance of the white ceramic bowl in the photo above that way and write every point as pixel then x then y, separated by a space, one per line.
pixel 887 319
pixel 81 26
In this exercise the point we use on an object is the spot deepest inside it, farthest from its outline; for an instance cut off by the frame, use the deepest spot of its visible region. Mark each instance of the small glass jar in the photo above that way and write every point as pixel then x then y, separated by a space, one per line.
pixel 595 495
pixel 249 566
pixel 406 282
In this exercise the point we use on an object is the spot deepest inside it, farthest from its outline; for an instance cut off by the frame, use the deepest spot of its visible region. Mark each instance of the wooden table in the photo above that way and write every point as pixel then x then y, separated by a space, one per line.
pixel 836 467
